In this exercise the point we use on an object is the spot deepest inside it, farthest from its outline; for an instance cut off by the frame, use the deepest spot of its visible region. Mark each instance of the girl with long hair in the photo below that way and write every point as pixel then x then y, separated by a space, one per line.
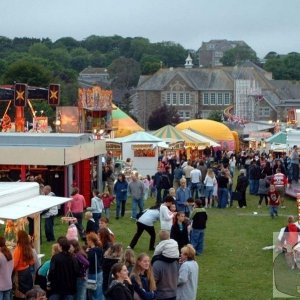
pixel 111 256
pixel 83 263
pixel 210 181
pixel 121 287
pixel 142 278
pixel 23 260
pixel 105 238
pixel 6 268
pixel 129 259
pixel 95 258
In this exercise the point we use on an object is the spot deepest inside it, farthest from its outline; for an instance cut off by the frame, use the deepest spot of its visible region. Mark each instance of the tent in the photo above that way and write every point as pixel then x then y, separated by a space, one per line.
pixel 22 199
pixel 201 137
pixel 278 138
pixel 172 135
pixel 142 148
pixel 218 131
pixel 123 123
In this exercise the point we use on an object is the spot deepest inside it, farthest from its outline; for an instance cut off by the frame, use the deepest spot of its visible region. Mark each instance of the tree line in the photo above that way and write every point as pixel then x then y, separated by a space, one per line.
pixel 38 62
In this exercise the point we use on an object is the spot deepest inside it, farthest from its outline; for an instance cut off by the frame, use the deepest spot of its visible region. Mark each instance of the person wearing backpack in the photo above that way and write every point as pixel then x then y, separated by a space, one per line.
pixel 146 222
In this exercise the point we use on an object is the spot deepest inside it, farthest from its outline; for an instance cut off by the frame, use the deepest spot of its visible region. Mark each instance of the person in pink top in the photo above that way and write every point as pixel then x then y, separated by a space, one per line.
pixel 76 206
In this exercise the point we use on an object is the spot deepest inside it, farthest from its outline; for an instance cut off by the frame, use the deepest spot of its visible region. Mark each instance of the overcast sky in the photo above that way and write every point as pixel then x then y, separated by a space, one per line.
pixel 265 25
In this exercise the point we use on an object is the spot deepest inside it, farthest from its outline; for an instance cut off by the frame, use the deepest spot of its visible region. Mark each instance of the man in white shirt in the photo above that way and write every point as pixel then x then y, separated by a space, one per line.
pixel 195 182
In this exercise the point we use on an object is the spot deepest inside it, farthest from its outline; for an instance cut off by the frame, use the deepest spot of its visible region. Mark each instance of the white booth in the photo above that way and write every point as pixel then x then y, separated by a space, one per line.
pixel 142 148
pixel 19 200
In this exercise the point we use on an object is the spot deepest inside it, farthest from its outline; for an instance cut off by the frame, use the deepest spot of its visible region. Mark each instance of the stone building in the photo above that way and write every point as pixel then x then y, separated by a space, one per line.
pixel 211 52
pixel 247 92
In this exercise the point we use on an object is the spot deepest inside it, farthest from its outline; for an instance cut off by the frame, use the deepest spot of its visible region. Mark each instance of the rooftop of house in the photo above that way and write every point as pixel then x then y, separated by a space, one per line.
pixel 93 71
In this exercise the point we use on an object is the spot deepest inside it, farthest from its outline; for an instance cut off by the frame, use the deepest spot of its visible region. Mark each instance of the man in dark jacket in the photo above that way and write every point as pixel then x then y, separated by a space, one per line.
pixel 241 187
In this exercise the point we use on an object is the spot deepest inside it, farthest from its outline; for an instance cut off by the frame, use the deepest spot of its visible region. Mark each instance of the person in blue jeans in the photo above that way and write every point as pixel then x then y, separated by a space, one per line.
pixel 198 219
pixel 136 189
pixel 120 190
pixel 222 189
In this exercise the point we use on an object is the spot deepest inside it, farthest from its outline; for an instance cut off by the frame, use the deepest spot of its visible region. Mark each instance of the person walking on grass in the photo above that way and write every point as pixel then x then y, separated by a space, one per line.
pixel 241 187
pixel 199 219
pixel 280 182
pixel 120 190
pixel 273 200
pixel 96 208
pixel 136 189
pixel 263 188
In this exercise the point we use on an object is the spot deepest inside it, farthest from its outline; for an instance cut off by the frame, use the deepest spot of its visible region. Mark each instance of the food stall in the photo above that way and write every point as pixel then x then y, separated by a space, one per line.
pixel 19 200
pixel 142 148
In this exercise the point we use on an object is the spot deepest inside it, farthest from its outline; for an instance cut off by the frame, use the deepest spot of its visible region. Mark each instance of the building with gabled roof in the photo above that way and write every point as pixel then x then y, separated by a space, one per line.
pixel 196 92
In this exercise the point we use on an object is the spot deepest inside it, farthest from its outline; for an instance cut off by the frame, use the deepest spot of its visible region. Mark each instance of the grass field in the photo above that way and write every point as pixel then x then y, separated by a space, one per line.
pixel 233 265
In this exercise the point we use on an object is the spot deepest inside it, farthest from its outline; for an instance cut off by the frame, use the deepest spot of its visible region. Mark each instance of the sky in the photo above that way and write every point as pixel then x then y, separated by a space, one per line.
pixel 265 25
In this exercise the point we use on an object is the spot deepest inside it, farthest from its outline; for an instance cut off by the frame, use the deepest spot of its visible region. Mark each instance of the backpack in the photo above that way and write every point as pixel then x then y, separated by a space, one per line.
pixel 165 182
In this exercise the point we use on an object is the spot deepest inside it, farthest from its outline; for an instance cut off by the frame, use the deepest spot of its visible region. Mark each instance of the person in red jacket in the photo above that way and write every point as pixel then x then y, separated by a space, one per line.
pixel 280 182
pixel 274 201
pixel 289 240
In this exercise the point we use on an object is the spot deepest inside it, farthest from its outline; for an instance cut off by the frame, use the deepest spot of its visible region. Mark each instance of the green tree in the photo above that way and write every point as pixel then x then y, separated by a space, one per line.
pixel 79 59
pixel 67 42
pixel 39 50
pixel 162 116
pixel 216 115
pixel 98 59
pixel 238 55
pixel 124 73
pixel 150 64
pixel 27 72
pixel 61 56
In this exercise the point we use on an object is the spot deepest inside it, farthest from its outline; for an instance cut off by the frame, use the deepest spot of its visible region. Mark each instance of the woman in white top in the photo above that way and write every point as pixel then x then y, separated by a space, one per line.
pixel 166 216
pixel 209 182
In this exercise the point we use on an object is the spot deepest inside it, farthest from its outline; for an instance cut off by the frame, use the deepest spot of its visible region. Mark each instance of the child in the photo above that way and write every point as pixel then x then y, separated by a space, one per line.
pixel 199 219
pixel 128 259
pixel 167 249
pixel 107 201
pixel 152 188
pixel 72 232
pixel 190 204
pixel 263 188
pixel 104 224
pixel 274 201
pixel 146 182
pixel 91 223
pixel 96 208
pixel 173 210
pixel 179 231
pixel 172 193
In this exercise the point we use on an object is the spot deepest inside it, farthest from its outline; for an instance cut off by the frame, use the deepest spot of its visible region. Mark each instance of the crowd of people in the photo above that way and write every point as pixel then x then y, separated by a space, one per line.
pixel 92 263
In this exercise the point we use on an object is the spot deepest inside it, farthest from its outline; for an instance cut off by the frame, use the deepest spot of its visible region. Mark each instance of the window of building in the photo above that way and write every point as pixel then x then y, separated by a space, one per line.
pixel 174 99
pixel 220 99
pixel 181 99
pixel 212 99
pixel 264 112
pixel 227 99
pixel 187 99
pixel 181 116
pixel 168 102
pixel 187 115
pixel 205 99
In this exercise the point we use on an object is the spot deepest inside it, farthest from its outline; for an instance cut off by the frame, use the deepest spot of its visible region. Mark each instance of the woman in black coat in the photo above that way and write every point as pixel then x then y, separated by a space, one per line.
pixel 241 187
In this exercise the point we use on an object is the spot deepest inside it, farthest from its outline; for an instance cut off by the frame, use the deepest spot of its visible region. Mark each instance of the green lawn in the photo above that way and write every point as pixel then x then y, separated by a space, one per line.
pixel 233 265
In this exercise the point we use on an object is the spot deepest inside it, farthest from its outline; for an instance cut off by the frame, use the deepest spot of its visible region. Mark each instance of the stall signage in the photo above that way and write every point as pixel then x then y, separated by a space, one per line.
pixel 177 145
pixel 260 135
pixel 95 98
pixel 113 146
pixel 142 146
